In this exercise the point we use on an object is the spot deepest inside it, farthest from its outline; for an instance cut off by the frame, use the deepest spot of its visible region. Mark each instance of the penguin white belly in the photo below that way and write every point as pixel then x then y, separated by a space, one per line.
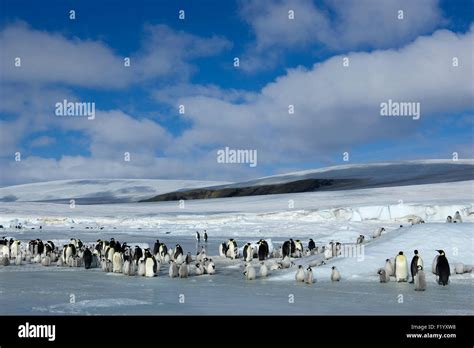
pixel 117 262
pixel 309 277
pixel 263 270
pixel 300 275
pixel 4 251
pixel 250 273
pixel 401 269
pixel 141 269
pixel 18 260
pixel 173 271
pixel 211 268
pixel 328 253
pixel 149 264
pixel 46 261
pixel 433 266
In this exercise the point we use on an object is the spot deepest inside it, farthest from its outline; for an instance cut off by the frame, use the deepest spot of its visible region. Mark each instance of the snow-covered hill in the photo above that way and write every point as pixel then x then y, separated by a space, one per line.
pixel 380 174
pixel 96 191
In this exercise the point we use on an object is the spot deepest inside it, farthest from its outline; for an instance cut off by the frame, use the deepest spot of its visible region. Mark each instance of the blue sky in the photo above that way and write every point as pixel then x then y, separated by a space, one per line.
pixel 190 62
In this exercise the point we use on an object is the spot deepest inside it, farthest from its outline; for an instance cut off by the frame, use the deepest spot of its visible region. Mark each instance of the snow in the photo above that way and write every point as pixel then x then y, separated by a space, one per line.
pixel 323 216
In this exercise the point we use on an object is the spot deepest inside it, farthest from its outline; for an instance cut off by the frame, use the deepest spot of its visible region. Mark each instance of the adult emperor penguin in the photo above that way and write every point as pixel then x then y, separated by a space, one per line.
pixel 378 232
pixel 87 258
pixel 442 268
pixel 232 251
pixel 141 268
pixel 311 245
pixel 420 279
pixel 205 236
pixel 457 217
pixel 360 239
pixel 415 262
pixel 309 276
pixel 335 275
pixel 384 277
pixel 389 268
pixel 300 275
pixel 247 252
pixel 223 249
pixel 150 264
pixel 156 248
pixel 263 250
pixel 178 251
pixel 198 236
pixel 401 267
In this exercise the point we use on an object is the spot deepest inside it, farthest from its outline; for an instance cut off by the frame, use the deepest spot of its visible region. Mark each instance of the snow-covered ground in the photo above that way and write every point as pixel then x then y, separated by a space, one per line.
pixel 323 216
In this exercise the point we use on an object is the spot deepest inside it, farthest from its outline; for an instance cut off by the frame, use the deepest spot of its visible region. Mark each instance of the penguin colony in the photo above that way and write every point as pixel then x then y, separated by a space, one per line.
pixel 112 256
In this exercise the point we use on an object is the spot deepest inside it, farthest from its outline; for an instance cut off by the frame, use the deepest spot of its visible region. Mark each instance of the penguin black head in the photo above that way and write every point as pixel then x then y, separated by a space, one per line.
pixel 420 267
pixel 333 267
pixel 441 252
pixel 416 252
pixel 400 253
pixel 300 266
pixel 387 260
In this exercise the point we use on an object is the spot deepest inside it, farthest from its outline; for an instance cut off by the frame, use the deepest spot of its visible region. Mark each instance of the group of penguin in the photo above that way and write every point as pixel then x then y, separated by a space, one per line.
pixel 398 268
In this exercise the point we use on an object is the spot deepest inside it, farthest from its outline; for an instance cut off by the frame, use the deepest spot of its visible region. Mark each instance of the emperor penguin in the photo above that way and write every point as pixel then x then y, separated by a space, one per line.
pixel 156 248
pixel 457 218
pixel 286 262
pixel 18 259
pixel 328 252
pixel 247 252
pixel 263 250
pixel 401 267
pixel 174 270
pixel 5 251
pixel 442 268
pixel 449 219
pixel 223 249
pixel 309 276
pixel 433 265
pixel 87 258
pixel 46 261
pixel 250 273
pixel 231 249
pixel 199 270
pixel 335 275
pixel 415 262
pixel 360 239
pixel 117 262
pixel 389 268
pixel 141 268
pixel 384 277
pixel 198 237
pixel 4 261
pixel 15 249
pixel 211 267
pixel 183 270
pixel 378 232
pixel 263 269
pixel 311 245
pixel 300 275
pixel 205 236
pixel 420 279
pixel 150 264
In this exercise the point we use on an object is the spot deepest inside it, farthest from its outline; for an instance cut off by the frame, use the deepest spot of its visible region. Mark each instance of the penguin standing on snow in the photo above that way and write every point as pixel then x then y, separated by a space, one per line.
pixel 247 252
pixel 198 237
pixel 335 275
pixel 263 269
pixel 263 250
pixel 360 239
pixel 442 268
pixel 205 236
pixel 173 271
pixel 378 232
pixel 415 262
pixel 420 279
pixel 384 277
pixel 87 258
pixel 457 218
pixel 449 219
pixel 156 247
pixel 309 276
pixel 389 268
pixel 401 267
pixel 300 275
pixel 250 273
pixel 311 245
pixel 150 264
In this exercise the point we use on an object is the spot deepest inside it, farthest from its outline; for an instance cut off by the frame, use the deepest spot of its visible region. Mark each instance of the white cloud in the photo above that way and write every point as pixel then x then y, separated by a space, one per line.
pixel 334 25
pixel 52 58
